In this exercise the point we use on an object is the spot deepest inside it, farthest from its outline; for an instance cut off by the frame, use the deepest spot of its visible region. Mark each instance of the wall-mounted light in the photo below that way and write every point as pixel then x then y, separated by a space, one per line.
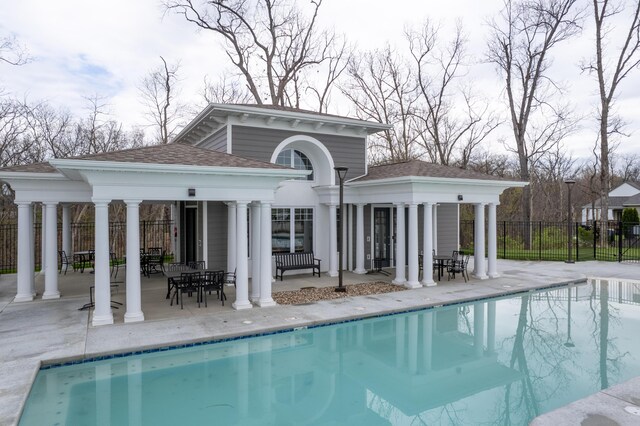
pixel 192 192
pixel 459 197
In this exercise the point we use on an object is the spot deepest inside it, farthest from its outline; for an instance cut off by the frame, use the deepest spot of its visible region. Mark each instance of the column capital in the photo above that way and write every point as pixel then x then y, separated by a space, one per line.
pixel 360 204
pixel 494 204
pixel 332 204
pixel 132 202
pixel 100 201
pixel 399 204
pixel 50 203
pixel 243 203
pixel 429 203
pixel 230 203
pixel 482 203
pixel 412 204
pixel 266 203
pixel 22 203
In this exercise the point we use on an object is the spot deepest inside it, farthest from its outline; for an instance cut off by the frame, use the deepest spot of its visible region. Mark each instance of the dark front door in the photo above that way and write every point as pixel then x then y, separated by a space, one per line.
pixel 382 236
pixel 191 233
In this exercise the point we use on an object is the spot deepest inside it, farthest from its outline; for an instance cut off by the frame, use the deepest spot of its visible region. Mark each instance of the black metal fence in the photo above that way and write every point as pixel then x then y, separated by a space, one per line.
pixel 614 241
pixel 155 233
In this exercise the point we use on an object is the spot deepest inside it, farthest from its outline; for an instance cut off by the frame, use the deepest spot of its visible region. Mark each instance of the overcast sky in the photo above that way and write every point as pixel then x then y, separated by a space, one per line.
pixel 86 47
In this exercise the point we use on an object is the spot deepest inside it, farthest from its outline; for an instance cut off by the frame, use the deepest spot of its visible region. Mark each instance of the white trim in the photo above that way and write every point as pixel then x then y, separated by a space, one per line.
pixel 313 141
pixel 229 139
pixel 438 180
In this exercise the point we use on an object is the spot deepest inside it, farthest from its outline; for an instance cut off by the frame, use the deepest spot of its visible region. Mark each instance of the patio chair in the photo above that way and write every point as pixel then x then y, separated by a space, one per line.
pixel 171 281
pixel 196 264
pixel 459 267
pixel 214 280
pixel 63 261
pixel 116 265
pixel 189 282
pixel 154 264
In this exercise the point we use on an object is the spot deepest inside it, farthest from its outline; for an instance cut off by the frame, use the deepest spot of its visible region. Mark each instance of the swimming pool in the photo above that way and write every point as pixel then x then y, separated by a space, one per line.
pixel 493 361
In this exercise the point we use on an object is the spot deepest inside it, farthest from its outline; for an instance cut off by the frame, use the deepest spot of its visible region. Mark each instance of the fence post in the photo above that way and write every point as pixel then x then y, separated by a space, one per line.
pixel 619 241
pixel 504 239
pixel 577 239
pixel 595 240
pixel 540 240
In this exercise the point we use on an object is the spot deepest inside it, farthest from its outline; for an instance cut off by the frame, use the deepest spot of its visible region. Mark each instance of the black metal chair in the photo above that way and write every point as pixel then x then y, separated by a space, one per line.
pixel 171 281
pixel 189 282
pixel 459 266
pixel 213 281
pixel 63 260
pixel 196 264
pixel 115 264
pixel 154 263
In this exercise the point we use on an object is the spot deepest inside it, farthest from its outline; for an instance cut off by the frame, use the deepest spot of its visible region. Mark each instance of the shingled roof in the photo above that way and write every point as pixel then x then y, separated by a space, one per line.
pixel 423 169
pixel 170 154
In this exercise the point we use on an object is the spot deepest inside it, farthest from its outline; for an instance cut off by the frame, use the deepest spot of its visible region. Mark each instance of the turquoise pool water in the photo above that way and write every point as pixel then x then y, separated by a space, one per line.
pixel 501 361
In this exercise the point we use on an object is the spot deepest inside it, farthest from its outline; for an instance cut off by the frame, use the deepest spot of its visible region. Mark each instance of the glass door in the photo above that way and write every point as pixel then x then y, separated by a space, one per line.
pixel 382 236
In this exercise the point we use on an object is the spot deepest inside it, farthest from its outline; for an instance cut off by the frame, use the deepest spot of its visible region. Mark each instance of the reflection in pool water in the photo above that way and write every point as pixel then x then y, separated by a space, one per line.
pixel 498 361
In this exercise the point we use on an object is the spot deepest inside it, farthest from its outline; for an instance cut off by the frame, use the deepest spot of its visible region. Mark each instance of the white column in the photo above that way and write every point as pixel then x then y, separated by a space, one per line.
pixel 333 240
pixel 205 233
pixel 414 268
pixel 43 240
pixel 231 236
pixel 434 225
pixel 400 235
pixel 255 252
pixel 173 218
pixel 265 256
pixel 25 254
pixel 491 327
pixel 478 244
pixel 427 246
pixel 66 231
pixel 176 227
pixel 493 242
pixel 349 241
pixel 134 298
pixel 102 313
pixel 360 240
pixel 478 328
pixel 51 252
pixel 242 280
pixel 32 251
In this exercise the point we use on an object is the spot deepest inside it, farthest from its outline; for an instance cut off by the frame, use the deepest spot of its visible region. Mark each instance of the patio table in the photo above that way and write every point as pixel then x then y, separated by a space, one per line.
pixel 441 260
pixel 82 257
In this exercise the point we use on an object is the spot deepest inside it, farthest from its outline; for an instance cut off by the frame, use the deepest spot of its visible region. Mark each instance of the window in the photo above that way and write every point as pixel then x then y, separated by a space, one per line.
pixel 297 160
pixel 292 230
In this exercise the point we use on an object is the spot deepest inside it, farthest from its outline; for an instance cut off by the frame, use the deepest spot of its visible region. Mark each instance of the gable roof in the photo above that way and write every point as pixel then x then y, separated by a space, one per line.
pixel 614 202
pixel 423 169
pixel 632 201
pixel 170 154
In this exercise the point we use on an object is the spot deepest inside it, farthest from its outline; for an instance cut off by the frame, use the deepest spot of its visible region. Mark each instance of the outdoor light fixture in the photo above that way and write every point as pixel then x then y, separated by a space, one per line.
pixel 342 172
pixel 192 192
pixel 459 197
pixel 570 183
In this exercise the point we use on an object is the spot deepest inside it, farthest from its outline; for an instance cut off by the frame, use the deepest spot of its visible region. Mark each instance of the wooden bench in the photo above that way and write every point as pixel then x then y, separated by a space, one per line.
pixel 291 261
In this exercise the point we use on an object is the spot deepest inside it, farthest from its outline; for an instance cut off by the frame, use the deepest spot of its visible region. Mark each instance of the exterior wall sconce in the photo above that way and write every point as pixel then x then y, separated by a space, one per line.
pixel 460 197
pixel 192 192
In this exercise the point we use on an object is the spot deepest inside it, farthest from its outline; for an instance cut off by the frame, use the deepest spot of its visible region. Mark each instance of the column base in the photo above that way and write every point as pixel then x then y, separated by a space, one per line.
pixel 429 283
pixel 360 271
pixel 23 298
pixel 332 274
pixel 254 299
pixel 494 275
pixel 263 303
pixel 412 284
pixel 51 295
pixel 102 320
pixel 133 317
pixel 481 277
pixel 399 281
pixel 241 305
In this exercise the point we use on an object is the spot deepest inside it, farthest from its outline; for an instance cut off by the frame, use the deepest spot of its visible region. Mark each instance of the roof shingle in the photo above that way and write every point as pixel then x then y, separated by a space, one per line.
pixel 423 169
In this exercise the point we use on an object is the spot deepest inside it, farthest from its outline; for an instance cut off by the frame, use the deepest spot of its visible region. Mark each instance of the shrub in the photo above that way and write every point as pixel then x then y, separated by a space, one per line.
pixel 629 219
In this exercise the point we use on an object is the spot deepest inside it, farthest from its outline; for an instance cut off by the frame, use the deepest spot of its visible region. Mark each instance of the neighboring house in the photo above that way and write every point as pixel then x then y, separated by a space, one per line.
pixel 624 196
pixel 247 181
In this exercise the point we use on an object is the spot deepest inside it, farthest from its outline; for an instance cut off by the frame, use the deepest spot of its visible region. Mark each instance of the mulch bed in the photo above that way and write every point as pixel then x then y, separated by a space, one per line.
pixel 313 294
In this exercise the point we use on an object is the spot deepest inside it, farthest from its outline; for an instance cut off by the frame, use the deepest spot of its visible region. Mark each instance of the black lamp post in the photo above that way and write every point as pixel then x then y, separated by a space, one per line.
pixel 569 183
pixel 342 172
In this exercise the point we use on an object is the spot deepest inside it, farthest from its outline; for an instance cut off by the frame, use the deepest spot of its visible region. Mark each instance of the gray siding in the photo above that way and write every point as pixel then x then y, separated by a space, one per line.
pixel 447 228
pixel 217 235
pixel 217 141
pixel 260 143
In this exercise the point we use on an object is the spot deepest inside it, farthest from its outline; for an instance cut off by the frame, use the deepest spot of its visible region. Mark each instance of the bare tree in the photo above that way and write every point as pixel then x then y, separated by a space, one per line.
pixel 158 90
pixel 453 121
pixel 271 43
pixel 521 40
pixel 609 75
pixel 381 87
pixel 225 91
pixel 12 51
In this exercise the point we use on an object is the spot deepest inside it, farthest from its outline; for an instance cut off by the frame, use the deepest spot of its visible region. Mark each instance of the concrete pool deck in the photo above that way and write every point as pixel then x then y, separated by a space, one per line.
pixel 47 331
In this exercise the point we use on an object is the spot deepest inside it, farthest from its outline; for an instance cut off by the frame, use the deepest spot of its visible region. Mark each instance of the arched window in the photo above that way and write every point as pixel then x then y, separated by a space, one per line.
pixel 297 160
